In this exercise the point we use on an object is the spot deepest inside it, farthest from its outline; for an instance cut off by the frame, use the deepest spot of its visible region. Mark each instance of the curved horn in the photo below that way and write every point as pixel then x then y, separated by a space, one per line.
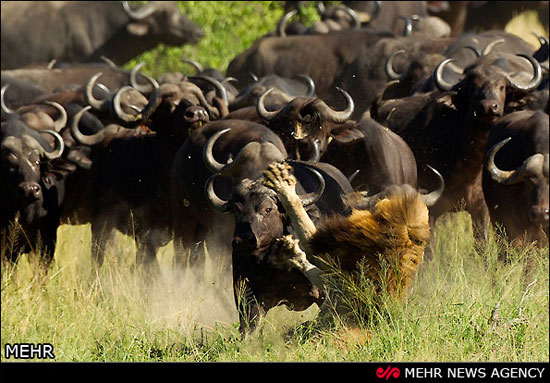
pixel 407 31
pixel 117 108
pixel 376 13
pixel 473 49
pixel 229 79
pixel 281 25
pixel 491 45
pixel 310 84
pixel 311 198
pixel 61 121
pixel 316 154
pixel 353 175
pixel 262 111
pixel 430 199
pixel 215 202
pixel 195 64
pixel 208 157
pixel 355 17
pixel 390 72
pixel 141 13
pixel 59 147
pixel 139 87
pixel 537 75
pixel 51 64
pixel 215 83
pixel 89 97
pixel 338 116
pixel 437 76
pixel 3 103
pixel 109 62
pixel 94 138
pixel 532 165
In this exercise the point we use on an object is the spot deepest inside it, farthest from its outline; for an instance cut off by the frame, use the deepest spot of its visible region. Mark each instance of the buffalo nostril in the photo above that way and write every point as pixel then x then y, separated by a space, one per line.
pixel 30 190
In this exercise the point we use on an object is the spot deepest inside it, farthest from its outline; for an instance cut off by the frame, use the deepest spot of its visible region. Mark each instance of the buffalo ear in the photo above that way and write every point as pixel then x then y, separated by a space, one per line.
pixel 138 28
pixel 346 135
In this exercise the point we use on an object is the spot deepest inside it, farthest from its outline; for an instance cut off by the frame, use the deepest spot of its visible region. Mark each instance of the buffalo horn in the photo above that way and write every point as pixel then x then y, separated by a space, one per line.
pixel 437 76
pixel 316 154
pixel 390 72
pixel 117 108
pixel 208 157
pixel 537 75
pixel 281 25
pixel 407 31
pixel 109 62
pixel 195 64
pixel 140 13
pixel 534 164
pixel 215 83
pixel 61 121
pixel 139 87
pixel 94 138
pixel 90 99
pixel 311 198
pixel 59 147
pixel 3 103
pixel 430 199
pixel 310 84
pixel 342 116
pixel 491 45
pixel 262 111
pixel 215 202
pixel 352 14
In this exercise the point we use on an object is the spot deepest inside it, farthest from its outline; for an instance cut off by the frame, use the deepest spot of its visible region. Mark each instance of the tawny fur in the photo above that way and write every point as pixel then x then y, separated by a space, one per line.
pixel 395 231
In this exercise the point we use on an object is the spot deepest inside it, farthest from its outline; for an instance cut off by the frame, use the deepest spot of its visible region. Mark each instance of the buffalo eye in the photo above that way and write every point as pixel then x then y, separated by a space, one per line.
pixel 268 211
pixel 501 88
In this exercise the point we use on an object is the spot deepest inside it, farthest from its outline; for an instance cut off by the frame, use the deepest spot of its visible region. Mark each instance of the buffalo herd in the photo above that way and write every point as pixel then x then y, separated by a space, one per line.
pixel 338 142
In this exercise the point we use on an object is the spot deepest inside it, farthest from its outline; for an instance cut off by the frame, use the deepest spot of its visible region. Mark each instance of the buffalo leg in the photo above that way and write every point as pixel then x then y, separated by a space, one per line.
pixel 188 244
pixel 146 254
pixel 102 232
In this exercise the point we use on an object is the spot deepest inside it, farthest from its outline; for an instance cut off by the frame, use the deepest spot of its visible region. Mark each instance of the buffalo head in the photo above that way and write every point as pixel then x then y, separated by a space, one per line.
pixel 163 20
pixel 528 184
pixel 24 156
pixel 488 82
pixel 310 121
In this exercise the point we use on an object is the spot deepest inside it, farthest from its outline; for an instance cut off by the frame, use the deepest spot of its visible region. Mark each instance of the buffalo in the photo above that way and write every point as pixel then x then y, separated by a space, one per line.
pixel 37 32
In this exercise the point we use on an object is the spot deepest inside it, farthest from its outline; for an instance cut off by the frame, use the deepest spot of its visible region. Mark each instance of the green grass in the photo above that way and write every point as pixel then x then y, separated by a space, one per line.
pixel 229 28
pixel 119 315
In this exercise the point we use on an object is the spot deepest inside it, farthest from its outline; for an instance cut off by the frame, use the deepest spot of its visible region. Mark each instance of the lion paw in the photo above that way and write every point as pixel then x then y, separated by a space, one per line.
pixel 278 176
pixel 287 252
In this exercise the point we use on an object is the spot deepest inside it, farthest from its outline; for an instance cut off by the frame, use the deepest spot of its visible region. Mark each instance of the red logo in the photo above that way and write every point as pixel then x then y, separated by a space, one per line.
pixel 388 372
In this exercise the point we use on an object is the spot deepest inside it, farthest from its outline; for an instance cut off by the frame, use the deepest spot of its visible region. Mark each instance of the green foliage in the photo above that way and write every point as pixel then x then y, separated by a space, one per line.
pixel 229 27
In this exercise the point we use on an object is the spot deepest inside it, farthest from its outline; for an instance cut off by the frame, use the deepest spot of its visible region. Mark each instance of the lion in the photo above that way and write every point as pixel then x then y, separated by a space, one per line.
pixel 390 228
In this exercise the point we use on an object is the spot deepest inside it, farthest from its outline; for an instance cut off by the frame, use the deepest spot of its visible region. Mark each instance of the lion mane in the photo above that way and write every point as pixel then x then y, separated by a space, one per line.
pixel 395 232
